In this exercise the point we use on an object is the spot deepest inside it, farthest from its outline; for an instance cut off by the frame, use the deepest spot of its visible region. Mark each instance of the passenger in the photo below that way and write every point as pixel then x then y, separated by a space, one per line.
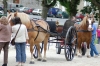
pixel 67 24
pixel 5 37
pixel 20 41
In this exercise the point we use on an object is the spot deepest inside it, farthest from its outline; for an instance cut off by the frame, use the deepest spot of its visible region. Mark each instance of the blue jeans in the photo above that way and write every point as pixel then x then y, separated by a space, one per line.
pixel 92 46
pixel 20 52
pixel 98 40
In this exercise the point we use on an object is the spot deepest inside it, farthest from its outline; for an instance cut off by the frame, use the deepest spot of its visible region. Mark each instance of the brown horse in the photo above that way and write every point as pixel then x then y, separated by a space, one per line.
pixel 84 34
pixel 35 32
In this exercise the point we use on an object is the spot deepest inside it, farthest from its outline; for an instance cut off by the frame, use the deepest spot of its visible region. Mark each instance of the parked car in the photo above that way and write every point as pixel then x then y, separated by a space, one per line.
pixel 59 14
pixel 65 14
pixel 1 12
pixel 37 12
pixel 79 16
pixel 1 9
pixel 22 9
pixel 53 12
pixel 28 10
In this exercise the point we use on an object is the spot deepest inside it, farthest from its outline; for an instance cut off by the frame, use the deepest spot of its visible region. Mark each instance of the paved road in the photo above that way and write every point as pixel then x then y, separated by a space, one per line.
pixel 53 59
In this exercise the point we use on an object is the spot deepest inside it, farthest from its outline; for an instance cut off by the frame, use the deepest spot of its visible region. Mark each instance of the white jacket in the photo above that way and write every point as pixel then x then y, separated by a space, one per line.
pixel 22 33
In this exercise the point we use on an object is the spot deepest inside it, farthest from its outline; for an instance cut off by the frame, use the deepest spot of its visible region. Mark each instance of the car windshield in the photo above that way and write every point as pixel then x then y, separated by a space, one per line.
pixel 35 9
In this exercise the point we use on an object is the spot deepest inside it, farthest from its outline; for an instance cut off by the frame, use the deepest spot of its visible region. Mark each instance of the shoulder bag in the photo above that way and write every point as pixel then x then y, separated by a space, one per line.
pixel 13 40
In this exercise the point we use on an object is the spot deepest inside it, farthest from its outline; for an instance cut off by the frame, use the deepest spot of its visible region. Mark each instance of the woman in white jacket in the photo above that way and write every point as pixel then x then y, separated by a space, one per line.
pixel 20 40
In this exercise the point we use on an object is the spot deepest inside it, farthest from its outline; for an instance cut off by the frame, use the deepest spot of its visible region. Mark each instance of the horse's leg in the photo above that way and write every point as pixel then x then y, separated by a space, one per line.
pixel 39 54
pixel 45 48
pixel 79 50
pixel 31 42
pixel 88 49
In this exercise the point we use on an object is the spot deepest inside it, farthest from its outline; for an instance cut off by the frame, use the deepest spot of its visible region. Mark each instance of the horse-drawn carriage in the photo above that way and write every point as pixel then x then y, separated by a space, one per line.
pixel 68 35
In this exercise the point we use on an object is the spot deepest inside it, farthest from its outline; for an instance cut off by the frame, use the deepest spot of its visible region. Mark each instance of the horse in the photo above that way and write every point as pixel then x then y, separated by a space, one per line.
pixel 37 32
pixel 84 34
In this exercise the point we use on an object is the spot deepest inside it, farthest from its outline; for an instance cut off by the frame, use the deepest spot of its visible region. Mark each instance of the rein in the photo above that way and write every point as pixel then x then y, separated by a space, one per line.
pixel 83 31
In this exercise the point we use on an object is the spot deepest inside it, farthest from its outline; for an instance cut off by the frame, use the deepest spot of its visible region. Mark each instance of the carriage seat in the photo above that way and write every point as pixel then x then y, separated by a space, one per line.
pixel 52 25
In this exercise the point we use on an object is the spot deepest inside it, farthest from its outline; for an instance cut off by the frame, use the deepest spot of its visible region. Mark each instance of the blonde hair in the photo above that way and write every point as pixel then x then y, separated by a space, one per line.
pixel 4 20
pixel 98 26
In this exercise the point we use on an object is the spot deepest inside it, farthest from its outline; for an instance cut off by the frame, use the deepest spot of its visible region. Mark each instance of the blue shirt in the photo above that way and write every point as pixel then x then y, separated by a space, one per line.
pixel 94 29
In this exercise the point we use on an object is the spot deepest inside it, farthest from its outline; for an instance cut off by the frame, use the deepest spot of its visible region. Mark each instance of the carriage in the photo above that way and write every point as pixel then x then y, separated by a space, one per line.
pixel 69 46
pixel 66 35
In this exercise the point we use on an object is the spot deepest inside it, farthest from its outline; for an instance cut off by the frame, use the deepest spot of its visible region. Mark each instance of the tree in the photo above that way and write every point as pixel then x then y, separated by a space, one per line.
pixel 46 5
pixel 70 5
pixel 95 6
pixel 5 6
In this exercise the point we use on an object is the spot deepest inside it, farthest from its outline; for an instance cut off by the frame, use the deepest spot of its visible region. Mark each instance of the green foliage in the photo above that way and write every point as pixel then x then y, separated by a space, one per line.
pixel 92 8
pixel 48 3
pixel 70 5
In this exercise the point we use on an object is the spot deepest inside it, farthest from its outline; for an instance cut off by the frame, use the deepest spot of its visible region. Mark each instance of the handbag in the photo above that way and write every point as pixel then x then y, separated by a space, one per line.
pixel 13 40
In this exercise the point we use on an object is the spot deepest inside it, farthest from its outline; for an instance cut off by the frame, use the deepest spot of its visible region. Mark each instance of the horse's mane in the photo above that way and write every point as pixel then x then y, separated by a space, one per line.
pixel 83 22
pixel 23 16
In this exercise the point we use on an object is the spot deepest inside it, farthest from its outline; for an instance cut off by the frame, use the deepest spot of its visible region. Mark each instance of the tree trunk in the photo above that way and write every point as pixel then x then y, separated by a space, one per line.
pixel 99 17
pixel 5 6
pixel 44 12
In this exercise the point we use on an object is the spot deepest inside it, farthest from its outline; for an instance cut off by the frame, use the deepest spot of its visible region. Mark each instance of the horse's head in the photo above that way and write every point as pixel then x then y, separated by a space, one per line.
pixel 10 17
pixel 87 22
pixel 25 19
pixel 90 21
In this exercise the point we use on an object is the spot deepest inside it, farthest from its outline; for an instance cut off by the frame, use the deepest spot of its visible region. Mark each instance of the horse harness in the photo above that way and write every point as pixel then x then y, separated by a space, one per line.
pixel 38 27
pixel 81 30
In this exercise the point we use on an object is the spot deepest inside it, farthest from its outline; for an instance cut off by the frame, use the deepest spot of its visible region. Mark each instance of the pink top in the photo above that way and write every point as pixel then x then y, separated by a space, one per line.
pixel 5 33
pixel 98 32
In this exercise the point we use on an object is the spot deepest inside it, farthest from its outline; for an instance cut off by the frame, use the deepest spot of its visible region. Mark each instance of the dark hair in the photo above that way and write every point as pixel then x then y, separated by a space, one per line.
pixel 18 20
pixel 13 20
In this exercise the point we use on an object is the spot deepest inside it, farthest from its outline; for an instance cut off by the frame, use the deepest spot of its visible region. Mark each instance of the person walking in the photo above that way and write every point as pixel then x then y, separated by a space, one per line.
pixel 98 34
pixel 92 45
pixel 5 37
pixel 20 40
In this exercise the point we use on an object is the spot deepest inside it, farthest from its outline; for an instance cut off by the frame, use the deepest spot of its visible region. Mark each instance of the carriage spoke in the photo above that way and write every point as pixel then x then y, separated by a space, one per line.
pixel 70 43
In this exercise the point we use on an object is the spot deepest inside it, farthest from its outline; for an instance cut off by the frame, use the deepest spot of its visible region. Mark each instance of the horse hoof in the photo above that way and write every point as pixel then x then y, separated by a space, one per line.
pixel 44 60
pixel 75 54
pixel 39 59
pixel 31 62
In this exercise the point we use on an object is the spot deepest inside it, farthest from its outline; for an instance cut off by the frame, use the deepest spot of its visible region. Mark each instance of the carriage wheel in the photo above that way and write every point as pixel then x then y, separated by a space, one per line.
pixel 70 43
pixel 41 47
pixel 35 54
pixel 58 48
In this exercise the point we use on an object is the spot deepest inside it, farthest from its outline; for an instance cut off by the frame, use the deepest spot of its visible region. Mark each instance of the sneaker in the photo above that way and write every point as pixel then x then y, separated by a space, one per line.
pixel 22 64
pixel 96 56
pixel 19 64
